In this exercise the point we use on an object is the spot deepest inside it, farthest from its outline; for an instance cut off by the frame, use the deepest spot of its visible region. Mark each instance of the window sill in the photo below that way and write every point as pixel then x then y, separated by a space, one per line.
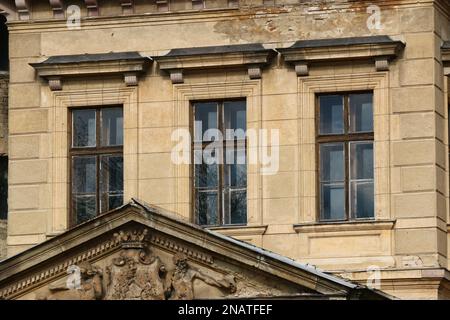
pixel 233 231
pixel 344 226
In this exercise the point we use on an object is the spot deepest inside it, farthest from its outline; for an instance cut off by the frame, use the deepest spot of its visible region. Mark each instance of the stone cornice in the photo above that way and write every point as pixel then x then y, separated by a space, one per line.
pixel 250 56
pixel 233 231
pixel 380 49
pixel 345 226
pixel 127 64
pixel 135 20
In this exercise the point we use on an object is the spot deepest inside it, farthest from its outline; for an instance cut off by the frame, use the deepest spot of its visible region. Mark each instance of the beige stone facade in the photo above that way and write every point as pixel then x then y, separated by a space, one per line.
pixel 408 241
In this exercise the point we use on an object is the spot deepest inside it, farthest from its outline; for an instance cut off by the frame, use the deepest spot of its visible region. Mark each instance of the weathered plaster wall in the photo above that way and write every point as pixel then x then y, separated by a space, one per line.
pixel 410 135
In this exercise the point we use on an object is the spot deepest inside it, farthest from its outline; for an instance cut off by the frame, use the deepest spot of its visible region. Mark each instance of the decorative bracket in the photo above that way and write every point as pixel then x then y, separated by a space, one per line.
pixel 127 6
pixel 92 7
pixel 254 72
pixel 233 3
pixel 57 8
pixel 446 57
pixel 302 68
pixel 198 4
pixel 23 9
pixel 55 83
pixel 162 5
pixel 176 76
pixel 382 64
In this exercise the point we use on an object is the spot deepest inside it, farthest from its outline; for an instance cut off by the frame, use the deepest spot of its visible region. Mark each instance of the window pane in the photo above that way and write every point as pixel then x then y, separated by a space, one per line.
pixel 206 175
pixel 235 118
pixel 235 206
pixel 331 114
pixel 83 122
pixel 85 207
pixel 361 195
pixel 332 206
pixel 235 168
pixel 332 162
pixel 112 127
pixel 84 175
pixel 205 118
pixel 206 207
pixel 361 160
pixel 361 112
pixel 361 180
pixel 111 182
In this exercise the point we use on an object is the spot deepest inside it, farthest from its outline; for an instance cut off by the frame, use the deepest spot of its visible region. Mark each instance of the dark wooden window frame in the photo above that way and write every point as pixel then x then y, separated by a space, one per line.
pixel 96 151
pixel 345 138
pixel 236 143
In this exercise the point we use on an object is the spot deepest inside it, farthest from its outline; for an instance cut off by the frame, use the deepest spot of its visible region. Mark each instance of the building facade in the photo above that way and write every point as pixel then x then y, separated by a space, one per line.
pixel 345 104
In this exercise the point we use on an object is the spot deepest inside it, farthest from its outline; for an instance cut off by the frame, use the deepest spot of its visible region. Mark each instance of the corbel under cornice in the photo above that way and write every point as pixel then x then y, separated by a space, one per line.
pixel 128 64
pixel 253 57
pixel 445 50
pixel 379 49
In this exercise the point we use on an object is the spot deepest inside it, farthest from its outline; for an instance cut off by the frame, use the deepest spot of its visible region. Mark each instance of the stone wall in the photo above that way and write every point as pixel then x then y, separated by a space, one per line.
pixel 410 230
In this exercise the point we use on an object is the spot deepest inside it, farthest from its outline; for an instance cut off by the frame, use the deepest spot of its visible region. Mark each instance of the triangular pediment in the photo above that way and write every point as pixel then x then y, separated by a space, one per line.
pixel 143 252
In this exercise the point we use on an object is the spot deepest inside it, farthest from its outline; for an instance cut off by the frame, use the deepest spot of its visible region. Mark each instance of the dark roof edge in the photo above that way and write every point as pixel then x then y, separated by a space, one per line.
pixel 335 42
pixel 354 288
pixel 96 57
pixel 237 48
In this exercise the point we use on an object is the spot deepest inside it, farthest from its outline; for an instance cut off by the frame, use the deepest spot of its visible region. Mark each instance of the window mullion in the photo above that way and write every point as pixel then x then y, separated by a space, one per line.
pixel 221 160
pixel 347 156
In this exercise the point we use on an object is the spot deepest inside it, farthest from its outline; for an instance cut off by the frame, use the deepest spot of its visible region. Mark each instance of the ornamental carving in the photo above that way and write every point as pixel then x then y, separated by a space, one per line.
pixel 136 273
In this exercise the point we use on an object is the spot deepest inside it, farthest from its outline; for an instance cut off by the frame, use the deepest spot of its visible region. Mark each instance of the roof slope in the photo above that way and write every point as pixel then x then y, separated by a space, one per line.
pixel 207 249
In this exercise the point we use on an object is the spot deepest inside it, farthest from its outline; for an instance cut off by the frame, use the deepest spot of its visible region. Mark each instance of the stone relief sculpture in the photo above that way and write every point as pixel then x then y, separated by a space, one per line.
pixel 90 286
pixel 137 274
pixel 181 280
